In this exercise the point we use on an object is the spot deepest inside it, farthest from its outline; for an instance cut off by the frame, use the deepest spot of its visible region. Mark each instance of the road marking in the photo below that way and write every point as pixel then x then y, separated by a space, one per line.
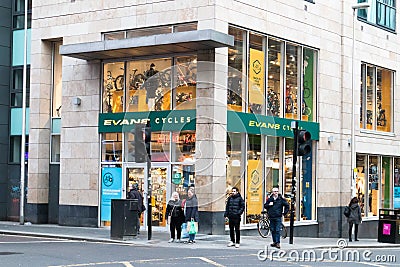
pixel 210 261
pixel 127 264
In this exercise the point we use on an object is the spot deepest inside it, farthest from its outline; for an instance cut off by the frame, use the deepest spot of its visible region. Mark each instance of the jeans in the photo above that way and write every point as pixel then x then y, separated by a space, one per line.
pixel 191 237
pixel 234 227
pixel 275 225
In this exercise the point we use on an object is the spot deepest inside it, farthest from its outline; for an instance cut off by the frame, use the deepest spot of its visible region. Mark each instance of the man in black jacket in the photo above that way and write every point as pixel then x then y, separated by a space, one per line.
pixel 233 211
pixel 135 194
pixel 276 206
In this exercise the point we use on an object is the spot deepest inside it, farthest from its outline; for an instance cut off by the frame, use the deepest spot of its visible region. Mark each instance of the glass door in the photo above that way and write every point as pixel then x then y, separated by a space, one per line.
pixel 159 193
pixel 136 175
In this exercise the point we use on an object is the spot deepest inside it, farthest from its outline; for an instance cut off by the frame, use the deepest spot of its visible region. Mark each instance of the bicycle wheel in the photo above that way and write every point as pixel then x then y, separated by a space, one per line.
pixel 119 83
pixel 263 228
pixel 283 231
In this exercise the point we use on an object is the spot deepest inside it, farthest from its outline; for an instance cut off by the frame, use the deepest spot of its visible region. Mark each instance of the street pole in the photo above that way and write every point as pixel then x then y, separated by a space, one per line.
pixel 294 126
pixel 149 187
pixel 23 131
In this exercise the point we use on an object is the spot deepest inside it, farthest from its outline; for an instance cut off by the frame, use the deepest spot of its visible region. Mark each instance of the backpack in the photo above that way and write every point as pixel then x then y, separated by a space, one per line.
pixel 347 211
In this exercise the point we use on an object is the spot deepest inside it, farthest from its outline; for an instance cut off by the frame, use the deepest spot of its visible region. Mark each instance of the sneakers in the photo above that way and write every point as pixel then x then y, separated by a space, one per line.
pixel 277 245
pixel 231 244
pixel 178 241
pixel 273 244
pixel 171 240
pixel 237 245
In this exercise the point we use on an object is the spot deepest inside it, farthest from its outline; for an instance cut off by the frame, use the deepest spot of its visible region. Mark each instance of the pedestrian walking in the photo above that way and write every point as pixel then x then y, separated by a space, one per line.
pixel 191 209
pixel 233 211
pixel 276 206
pixel 354 218
pixel 175 217
pixel 135 194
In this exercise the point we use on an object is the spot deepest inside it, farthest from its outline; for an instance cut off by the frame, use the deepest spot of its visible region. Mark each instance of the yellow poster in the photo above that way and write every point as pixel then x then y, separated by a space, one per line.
pixel 254 196
pixel 256 77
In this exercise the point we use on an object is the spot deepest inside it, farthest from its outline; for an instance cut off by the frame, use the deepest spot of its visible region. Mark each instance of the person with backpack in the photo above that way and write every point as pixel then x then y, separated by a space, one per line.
pixel 354 218
pixel 135 194
pixel 175 217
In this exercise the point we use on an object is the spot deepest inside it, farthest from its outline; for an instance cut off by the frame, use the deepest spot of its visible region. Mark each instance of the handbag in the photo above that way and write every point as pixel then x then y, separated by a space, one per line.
pixel 192 227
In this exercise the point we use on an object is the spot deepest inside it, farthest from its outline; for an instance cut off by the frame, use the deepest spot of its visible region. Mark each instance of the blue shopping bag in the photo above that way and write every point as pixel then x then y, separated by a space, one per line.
pixel 185 233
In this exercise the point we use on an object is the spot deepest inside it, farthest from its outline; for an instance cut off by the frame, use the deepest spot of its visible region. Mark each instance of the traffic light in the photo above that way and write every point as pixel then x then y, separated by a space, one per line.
pixel 147 139
pixel 140 148
pixel 303 142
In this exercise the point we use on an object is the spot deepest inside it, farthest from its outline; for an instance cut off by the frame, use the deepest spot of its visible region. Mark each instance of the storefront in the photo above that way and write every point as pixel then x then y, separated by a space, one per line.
pixel 164 92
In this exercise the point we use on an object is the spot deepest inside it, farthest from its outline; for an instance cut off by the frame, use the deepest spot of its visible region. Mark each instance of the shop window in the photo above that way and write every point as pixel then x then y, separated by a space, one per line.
pixel 184 82
pixel 376 98
pixel 292 81
pixel 309 85
pixel 234 167
pixel 149 85
pixel 272 165
pixel 380 12
pixel 160 146
pixel 288 172
pixel 183 178
pixel 113 87
pixel 368 184
pixel 396 184
pixel 274 77
pixel 386 184
pixel 254 186
pixel 256 74
pixel 235 71
pixel 184 147
pixel 111 147
pixel 56 81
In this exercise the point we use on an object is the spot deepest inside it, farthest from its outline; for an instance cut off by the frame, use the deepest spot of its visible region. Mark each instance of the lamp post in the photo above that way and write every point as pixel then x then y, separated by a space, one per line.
pixel 355 7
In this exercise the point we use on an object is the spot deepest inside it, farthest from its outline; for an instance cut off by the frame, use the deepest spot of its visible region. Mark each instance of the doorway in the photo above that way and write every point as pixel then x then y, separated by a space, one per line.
pixel 160 190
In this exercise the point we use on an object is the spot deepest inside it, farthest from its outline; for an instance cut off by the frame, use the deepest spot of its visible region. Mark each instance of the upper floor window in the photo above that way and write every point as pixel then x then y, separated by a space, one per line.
pixel 380 12
pixel 376 98
pixel 19 14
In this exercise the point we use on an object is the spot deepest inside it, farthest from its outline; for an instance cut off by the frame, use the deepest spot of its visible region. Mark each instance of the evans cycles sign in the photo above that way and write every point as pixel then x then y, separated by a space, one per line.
pixel 181 120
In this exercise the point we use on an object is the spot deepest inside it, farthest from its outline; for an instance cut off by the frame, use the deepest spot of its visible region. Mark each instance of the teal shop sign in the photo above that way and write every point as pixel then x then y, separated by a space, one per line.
pixel 181 120
pixel 168 120
pixel 177 178
pixel 267 125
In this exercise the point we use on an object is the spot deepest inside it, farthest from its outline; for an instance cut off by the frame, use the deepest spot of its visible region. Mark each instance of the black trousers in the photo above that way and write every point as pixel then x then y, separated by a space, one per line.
pixel 355 230
pixel 234 228
pixel 176 224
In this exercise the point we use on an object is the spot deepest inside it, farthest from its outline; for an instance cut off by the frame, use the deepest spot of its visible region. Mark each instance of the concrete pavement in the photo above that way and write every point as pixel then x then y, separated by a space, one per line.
pixel 160 237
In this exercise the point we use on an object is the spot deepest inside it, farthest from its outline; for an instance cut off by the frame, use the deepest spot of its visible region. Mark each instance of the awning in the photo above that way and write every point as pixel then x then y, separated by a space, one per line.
pixel 180 42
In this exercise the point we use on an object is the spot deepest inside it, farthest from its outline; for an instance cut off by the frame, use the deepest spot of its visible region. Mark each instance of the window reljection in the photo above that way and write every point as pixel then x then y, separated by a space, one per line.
pixel 119 35
pixel 380 12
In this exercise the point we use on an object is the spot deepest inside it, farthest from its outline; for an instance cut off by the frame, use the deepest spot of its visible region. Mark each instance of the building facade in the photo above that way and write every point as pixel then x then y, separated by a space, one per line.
pixel 12 27
pixel 220 83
